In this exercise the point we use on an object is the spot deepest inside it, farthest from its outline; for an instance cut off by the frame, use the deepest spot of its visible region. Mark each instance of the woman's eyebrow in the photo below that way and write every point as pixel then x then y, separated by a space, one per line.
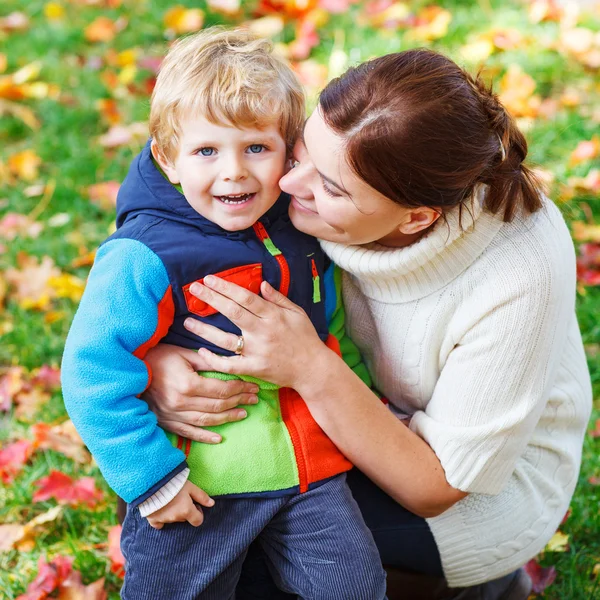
pixel 327 179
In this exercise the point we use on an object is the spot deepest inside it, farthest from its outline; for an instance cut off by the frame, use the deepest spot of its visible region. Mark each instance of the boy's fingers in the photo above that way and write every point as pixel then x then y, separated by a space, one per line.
pixel 195 517
pixel 155 524
pixel 200 496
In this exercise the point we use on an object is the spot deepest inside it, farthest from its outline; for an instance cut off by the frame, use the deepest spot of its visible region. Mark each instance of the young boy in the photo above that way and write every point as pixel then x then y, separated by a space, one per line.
pixel 202 198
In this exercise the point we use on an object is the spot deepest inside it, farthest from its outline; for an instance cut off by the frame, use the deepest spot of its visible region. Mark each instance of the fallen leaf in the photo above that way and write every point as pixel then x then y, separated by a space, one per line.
pixel 109 110
pixel 558 543
pixel 29 281
pixel 73 589
pixel 68 286
pixel 54 11
pixel 586 150
pixel 180 19
pixel 29 402
pixel 117 560
pixel 544 10
pixel 226 7
pixel 50 576
pixel 24 165
pixel 62 438
pixel 11 383
pixel 15 21
pixel 588 273
pixel 595 433
pixel 22 536
pixel 585 232
pixel 431 24
pixel 588 184
pixel 65 490
pixel 14 225
pixel 306 39
pixel 268 27
pixel 120 135
pixel 541 577
pixel 594 480
pixel 46 377
pixel 13 457
pixel 336 6
pixel 104 194
pixel 517 92
pixel 103 29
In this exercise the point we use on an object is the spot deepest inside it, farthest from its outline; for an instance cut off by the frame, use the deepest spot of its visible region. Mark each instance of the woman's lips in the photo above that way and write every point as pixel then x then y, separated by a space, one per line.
pixel 301 207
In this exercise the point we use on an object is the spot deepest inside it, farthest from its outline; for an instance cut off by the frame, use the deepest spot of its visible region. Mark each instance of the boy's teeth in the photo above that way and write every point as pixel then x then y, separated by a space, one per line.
pixel 234 198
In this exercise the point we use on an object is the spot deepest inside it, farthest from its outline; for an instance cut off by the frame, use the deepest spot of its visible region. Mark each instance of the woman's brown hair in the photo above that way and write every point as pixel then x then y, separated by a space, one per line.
pixel 423 132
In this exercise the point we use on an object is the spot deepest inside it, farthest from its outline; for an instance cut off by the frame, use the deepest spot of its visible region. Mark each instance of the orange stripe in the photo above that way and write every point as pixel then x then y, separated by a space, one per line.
pixel 179 442
pixel 287 410
pixel 166 312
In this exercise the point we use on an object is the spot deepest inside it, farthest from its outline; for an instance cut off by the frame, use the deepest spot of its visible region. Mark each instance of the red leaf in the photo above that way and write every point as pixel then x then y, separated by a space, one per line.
pixel 13 457
pixel 594 480
pixel 47 377
pixel 541 577
pixel 595 433
pixel 117 559
pixel 50 576
pixel 66 491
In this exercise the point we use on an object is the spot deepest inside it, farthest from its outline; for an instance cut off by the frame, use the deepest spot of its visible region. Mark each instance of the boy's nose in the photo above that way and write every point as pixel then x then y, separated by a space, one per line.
pixel 234 170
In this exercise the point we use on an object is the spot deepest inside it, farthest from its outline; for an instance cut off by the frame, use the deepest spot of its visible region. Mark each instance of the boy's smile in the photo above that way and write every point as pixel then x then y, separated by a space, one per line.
pixel 230 175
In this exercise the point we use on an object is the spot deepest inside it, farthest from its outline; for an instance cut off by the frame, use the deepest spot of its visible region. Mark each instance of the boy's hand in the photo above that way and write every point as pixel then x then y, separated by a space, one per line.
pixel 182 507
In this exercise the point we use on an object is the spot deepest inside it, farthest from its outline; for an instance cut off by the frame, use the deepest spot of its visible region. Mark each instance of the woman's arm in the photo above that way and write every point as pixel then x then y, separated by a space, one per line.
pixel 398 460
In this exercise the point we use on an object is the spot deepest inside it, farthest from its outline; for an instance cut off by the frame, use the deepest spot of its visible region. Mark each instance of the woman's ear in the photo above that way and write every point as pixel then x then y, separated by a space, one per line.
pixel 166 165
pixel 419 219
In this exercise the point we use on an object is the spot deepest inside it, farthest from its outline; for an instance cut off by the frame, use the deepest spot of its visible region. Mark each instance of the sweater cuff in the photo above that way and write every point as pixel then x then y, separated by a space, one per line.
pixel 164 495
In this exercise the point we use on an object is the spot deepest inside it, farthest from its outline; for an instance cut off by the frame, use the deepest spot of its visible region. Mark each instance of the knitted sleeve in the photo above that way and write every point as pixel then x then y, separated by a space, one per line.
pixel 509 336
pixel 125 310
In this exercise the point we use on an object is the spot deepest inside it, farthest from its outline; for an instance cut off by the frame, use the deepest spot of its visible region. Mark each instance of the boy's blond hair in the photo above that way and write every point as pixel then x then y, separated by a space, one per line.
pixel 228 77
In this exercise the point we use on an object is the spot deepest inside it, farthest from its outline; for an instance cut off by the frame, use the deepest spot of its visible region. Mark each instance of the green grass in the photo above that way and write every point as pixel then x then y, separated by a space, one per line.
pixel 67 143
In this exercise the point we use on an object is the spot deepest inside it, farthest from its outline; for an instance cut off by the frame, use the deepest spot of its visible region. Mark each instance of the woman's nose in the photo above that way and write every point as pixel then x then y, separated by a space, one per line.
pixel 295 182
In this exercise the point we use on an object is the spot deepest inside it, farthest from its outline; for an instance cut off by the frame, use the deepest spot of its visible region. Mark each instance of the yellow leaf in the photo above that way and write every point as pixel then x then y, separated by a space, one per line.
pixel 3 62
pixel 558 543
pixel 183 20
pixel 27 73
pixel 54 11
pixel 433 24
pixel 22 537
pixel 583 232
pixel 127 74
pixel 127 57
pixel 477 51
pixel 517 93
pixel 24 165
pixel 67 286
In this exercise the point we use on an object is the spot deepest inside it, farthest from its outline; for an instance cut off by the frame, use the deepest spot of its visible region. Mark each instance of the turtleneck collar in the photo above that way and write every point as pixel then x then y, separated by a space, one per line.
pixel 412 272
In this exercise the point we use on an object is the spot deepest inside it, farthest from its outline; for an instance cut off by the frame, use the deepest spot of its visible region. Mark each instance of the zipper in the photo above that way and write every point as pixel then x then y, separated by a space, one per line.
pixel 316 282
pixel 263 236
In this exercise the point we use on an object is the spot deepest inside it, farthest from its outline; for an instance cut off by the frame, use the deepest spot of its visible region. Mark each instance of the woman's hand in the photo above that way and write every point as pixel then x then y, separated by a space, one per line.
pixel 280 342
pixel 184 402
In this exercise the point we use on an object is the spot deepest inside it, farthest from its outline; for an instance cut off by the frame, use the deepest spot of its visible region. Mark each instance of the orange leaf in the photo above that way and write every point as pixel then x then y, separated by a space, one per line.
pixel 62 438
pixel 13 457
pixel 109 110
pixel 586 150
pixel 24 165
pixel 11 383
pixel 595 433
pixel 65 490
pixel 22 537
pixel 103 29
pixel 117 559
pixel 29 402
pixel 517 93
pixel 104 194
pixel 179 19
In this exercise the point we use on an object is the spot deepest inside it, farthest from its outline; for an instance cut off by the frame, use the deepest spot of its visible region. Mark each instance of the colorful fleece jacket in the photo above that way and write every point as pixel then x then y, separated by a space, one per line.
pixel 137 295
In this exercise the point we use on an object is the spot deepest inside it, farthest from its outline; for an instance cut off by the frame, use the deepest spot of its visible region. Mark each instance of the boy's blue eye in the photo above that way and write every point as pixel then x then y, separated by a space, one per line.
pixel 256 148
pixel 206 151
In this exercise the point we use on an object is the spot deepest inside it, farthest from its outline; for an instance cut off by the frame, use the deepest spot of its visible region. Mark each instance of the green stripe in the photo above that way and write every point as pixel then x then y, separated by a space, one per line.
pixel 316 289
pixel 270 246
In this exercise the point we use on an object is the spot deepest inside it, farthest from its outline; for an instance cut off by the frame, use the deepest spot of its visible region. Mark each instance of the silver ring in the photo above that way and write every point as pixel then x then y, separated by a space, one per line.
pixel 240 345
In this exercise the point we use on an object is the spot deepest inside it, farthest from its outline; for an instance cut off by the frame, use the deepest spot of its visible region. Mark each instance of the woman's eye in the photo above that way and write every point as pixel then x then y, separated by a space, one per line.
pixel 206 151
pixel 329 191
pixel 256 148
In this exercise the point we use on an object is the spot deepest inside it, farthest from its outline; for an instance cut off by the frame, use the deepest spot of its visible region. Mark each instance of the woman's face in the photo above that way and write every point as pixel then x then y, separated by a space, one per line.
pixel 331 202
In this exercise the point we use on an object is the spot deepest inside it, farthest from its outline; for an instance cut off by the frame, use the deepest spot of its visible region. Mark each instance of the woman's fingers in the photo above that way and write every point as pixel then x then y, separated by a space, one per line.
pixel 233 365
pixel 276 297
pixel 252 302
pixel 235 312
pixel 214 335
pixel 196 434
pixel 209 419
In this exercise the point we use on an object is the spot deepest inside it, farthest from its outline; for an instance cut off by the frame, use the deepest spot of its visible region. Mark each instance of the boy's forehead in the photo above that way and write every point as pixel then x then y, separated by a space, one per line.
pixel 200 127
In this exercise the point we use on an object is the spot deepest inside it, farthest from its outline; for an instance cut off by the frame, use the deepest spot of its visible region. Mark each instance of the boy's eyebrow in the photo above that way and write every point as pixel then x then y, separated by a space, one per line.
pixel 327 179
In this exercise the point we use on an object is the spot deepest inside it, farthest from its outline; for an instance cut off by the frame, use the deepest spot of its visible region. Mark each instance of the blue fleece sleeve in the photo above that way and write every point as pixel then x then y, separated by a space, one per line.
pixel 101 377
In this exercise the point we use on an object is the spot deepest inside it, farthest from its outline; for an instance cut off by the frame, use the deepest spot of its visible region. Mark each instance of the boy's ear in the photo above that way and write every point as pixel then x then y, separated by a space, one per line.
pixel 166 165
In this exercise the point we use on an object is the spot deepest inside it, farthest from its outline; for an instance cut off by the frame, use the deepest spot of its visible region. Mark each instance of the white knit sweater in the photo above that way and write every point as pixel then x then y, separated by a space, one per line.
pixel 473 333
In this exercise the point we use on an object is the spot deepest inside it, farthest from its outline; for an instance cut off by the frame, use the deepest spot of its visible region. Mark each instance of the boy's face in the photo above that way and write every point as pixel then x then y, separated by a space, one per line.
pixel 229 175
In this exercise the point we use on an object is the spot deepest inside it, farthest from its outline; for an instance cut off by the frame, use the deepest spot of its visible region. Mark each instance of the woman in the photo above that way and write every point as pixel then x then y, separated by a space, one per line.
pixel 459 290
